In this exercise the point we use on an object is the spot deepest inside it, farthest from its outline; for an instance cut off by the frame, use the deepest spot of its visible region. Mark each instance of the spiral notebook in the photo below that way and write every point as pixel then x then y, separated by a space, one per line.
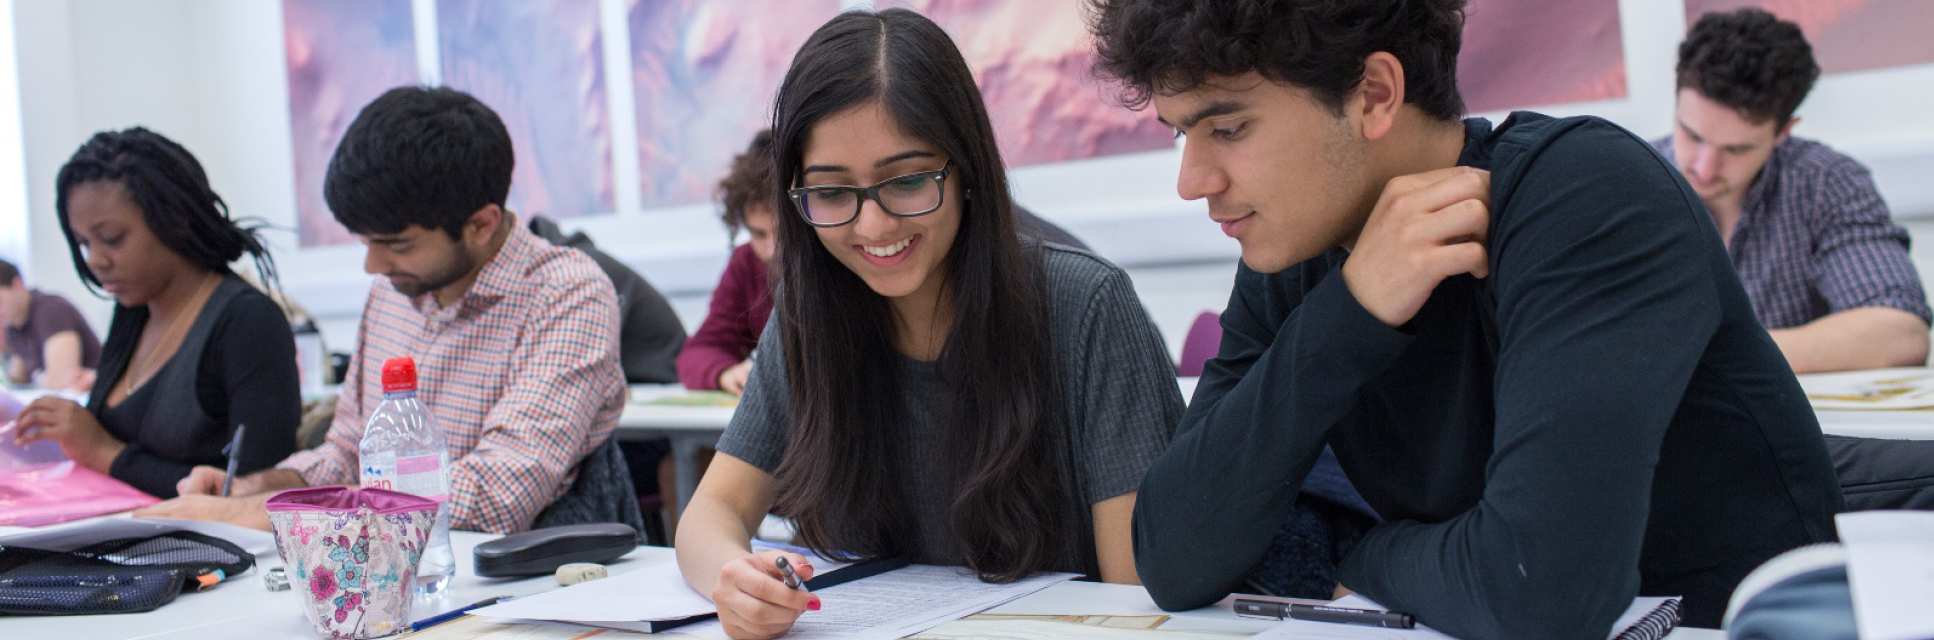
pixel 1647 619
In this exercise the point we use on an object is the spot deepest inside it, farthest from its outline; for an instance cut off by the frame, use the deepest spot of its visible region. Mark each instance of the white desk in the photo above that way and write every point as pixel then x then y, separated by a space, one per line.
pixel 242 608
pixel 689 429
pixel 1889 425
pixel 1088 598
pixel 1892 425
pixel 640 415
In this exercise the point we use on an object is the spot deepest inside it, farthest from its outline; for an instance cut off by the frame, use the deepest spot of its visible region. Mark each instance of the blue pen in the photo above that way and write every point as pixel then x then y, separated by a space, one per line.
pixel 234 453
pixel 452 615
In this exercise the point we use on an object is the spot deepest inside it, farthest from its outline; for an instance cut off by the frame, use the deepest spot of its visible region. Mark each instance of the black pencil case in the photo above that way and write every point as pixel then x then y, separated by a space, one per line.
pixel 542 551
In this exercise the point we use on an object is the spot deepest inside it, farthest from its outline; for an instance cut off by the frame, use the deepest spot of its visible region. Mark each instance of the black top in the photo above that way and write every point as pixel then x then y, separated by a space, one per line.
pixel 1602 418
pixel 236 365
pixel 650 334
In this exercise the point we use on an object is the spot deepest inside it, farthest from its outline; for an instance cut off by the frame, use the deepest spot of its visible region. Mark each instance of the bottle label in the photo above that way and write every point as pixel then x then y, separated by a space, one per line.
pixel 420 475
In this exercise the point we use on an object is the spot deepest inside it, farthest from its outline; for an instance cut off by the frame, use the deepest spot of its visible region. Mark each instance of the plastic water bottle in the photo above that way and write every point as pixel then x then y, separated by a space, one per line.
pixel 403 450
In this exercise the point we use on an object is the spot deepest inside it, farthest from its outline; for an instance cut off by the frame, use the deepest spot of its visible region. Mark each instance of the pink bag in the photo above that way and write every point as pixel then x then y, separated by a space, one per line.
pixel 351 555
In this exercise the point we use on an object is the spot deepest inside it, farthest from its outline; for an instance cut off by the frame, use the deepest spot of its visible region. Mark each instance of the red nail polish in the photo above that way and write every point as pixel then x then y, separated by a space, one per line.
pixel 812 605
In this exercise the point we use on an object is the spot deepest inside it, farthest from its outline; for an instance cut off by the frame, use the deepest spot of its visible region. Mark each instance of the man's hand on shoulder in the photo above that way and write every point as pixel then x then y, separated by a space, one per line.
pixel 1426 227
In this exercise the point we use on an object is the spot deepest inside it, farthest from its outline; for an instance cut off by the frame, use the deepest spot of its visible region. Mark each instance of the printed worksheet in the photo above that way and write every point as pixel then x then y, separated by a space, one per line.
pixel 899 603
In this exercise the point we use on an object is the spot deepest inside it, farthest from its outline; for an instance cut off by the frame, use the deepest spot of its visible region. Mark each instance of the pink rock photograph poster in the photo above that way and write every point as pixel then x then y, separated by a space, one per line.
pixel 1033 61
pixel 1529 53
pixel 704 73
pixel 340 54
pixel 1848 35
pixel 540 66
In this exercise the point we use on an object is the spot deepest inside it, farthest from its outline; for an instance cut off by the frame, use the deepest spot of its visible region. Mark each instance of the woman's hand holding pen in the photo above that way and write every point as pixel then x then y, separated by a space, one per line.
pixel 753 599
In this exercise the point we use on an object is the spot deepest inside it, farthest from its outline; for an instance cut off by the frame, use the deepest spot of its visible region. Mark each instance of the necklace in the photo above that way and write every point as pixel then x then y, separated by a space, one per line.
pixel 144 362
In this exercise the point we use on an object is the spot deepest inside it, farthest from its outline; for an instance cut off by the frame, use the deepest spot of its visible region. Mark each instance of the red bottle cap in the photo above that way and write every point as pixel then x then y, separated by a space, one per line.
pixel 399 374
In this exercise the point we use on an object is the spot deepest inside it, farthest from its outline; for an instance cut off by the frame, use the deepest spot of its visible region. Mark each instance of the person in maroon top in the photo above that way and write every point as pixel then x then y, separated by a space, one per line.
pixel 717 356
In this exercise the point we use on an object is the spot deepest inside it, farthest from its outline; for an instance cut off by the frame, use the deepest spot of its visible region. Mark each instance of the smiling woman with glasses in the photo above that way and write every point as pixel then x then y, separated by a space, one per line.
pixel 934 387
pixel 909 196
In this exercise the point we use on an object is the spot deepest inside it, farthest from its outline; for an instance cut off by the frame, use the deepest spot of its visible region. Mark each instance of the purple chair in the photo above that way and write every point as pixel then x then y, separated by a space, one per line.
pixel 1205 336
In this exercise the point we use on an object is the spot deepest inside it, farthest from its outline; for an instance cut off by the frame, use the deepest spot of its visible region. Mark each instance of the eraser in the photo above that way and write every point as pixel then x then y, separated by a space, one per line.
pixel 577 572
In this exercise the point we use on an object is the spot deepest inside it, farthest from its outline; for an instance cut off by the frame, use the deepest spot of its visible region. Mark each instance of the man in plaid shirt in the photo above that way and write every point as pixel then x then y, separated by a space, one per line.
pixel 1827 271
pixel 515 340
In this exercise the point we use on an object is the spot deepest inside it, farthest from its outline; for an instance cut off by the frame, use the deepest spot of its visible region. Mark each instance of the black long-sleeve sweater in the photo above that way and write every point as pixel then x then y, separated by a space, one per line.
pixel 1603 418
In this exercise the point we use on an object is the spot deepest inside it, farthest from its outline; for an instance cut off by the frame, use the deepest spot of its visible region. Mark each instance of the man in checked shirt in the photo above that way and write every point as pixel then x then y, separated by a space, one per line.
pixel 1827 271
pixel 515 340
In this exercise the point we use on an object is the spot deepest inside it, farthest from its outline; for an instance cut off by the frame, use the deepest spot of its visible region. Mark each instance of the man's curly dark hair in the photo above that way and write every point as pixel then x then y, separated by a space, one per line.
pixel 748 182
pixel 1172 46
pixel 1751 61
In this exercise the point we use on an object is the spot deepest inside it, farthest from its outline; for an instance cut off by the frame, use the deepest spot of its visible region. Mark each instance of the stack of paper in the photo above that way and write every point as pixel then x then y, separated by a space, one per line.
pixel 907 601
pixel 1890 567
pixel 642 600
pixel 894 604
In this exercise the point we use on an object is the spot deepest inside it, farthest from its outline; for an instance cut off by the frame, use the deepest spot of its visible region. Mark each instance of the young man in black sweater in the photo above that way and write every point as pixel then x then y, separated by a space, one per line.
pixel 1524 341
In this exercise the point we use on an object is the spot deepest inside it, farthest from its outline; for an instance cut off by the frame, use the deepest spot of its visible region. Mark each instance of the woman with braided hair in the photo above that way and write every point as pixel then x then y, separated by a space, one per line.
pixel 193 352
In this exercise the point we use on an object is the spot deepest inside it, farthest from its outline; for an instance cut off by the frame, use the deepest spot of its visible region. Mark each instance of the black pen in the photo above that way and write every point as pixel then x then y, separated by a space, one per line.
pixel 452 615
pixel 1323 613
pixel 234 453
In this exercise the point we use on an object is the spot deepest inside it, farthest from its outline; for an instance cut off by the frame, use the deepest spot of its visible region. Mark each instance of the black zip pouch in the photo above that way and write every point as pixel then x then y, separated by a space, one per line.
pixel 125 575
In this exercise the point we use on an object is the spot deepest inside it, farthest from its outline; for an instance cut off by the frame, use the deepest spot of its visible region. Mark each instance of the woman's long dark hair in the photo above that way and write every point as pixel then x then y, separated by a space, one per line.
pixel 176 202
pixel 838 477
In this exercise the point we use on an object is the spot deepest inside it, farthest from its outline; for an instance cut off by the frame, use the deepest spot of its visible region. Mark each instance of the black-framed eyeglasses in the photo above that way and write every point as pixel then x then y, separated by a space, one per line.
pixel 908 196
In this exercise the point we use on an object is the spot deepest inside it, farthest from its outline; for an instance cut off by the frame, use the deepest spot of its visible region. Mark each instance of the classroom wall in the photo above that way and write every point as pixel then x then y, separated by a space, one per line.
pixel 210 73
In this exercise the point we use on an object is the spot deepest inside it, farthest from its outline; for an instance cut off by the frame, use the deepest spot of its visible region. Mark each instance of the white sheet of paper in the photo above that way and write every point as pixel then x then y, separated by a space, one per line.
pixel 907 601
pixel 1085 599
pixel 1890 567
pixel 652 592
pixel 1053 630
pixel 898 603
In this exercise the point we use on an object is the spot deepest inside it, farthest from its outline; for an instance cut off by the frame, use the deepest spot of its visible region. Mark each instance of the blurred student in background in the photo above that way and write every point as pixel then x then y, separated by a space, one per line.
pixel 717 357
pixel 48 342
pixel 1825 266
pixel 193 352
pixel 516 340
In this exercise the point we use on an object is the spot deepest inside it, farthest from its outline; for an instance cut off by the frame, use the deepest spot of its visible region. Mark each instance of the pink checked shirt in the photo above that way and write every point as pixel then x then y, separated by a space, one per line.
pixel 522 375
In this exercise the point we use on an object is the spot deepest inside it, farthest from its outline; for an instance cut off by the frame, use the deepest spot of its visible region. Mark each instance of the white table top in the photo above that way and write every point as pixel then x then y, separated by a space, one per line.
pixel 641 416
pixel 1910 425
pixel 1894 425
pixel 1890 425
pixel 242 608
pixel 1094 599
